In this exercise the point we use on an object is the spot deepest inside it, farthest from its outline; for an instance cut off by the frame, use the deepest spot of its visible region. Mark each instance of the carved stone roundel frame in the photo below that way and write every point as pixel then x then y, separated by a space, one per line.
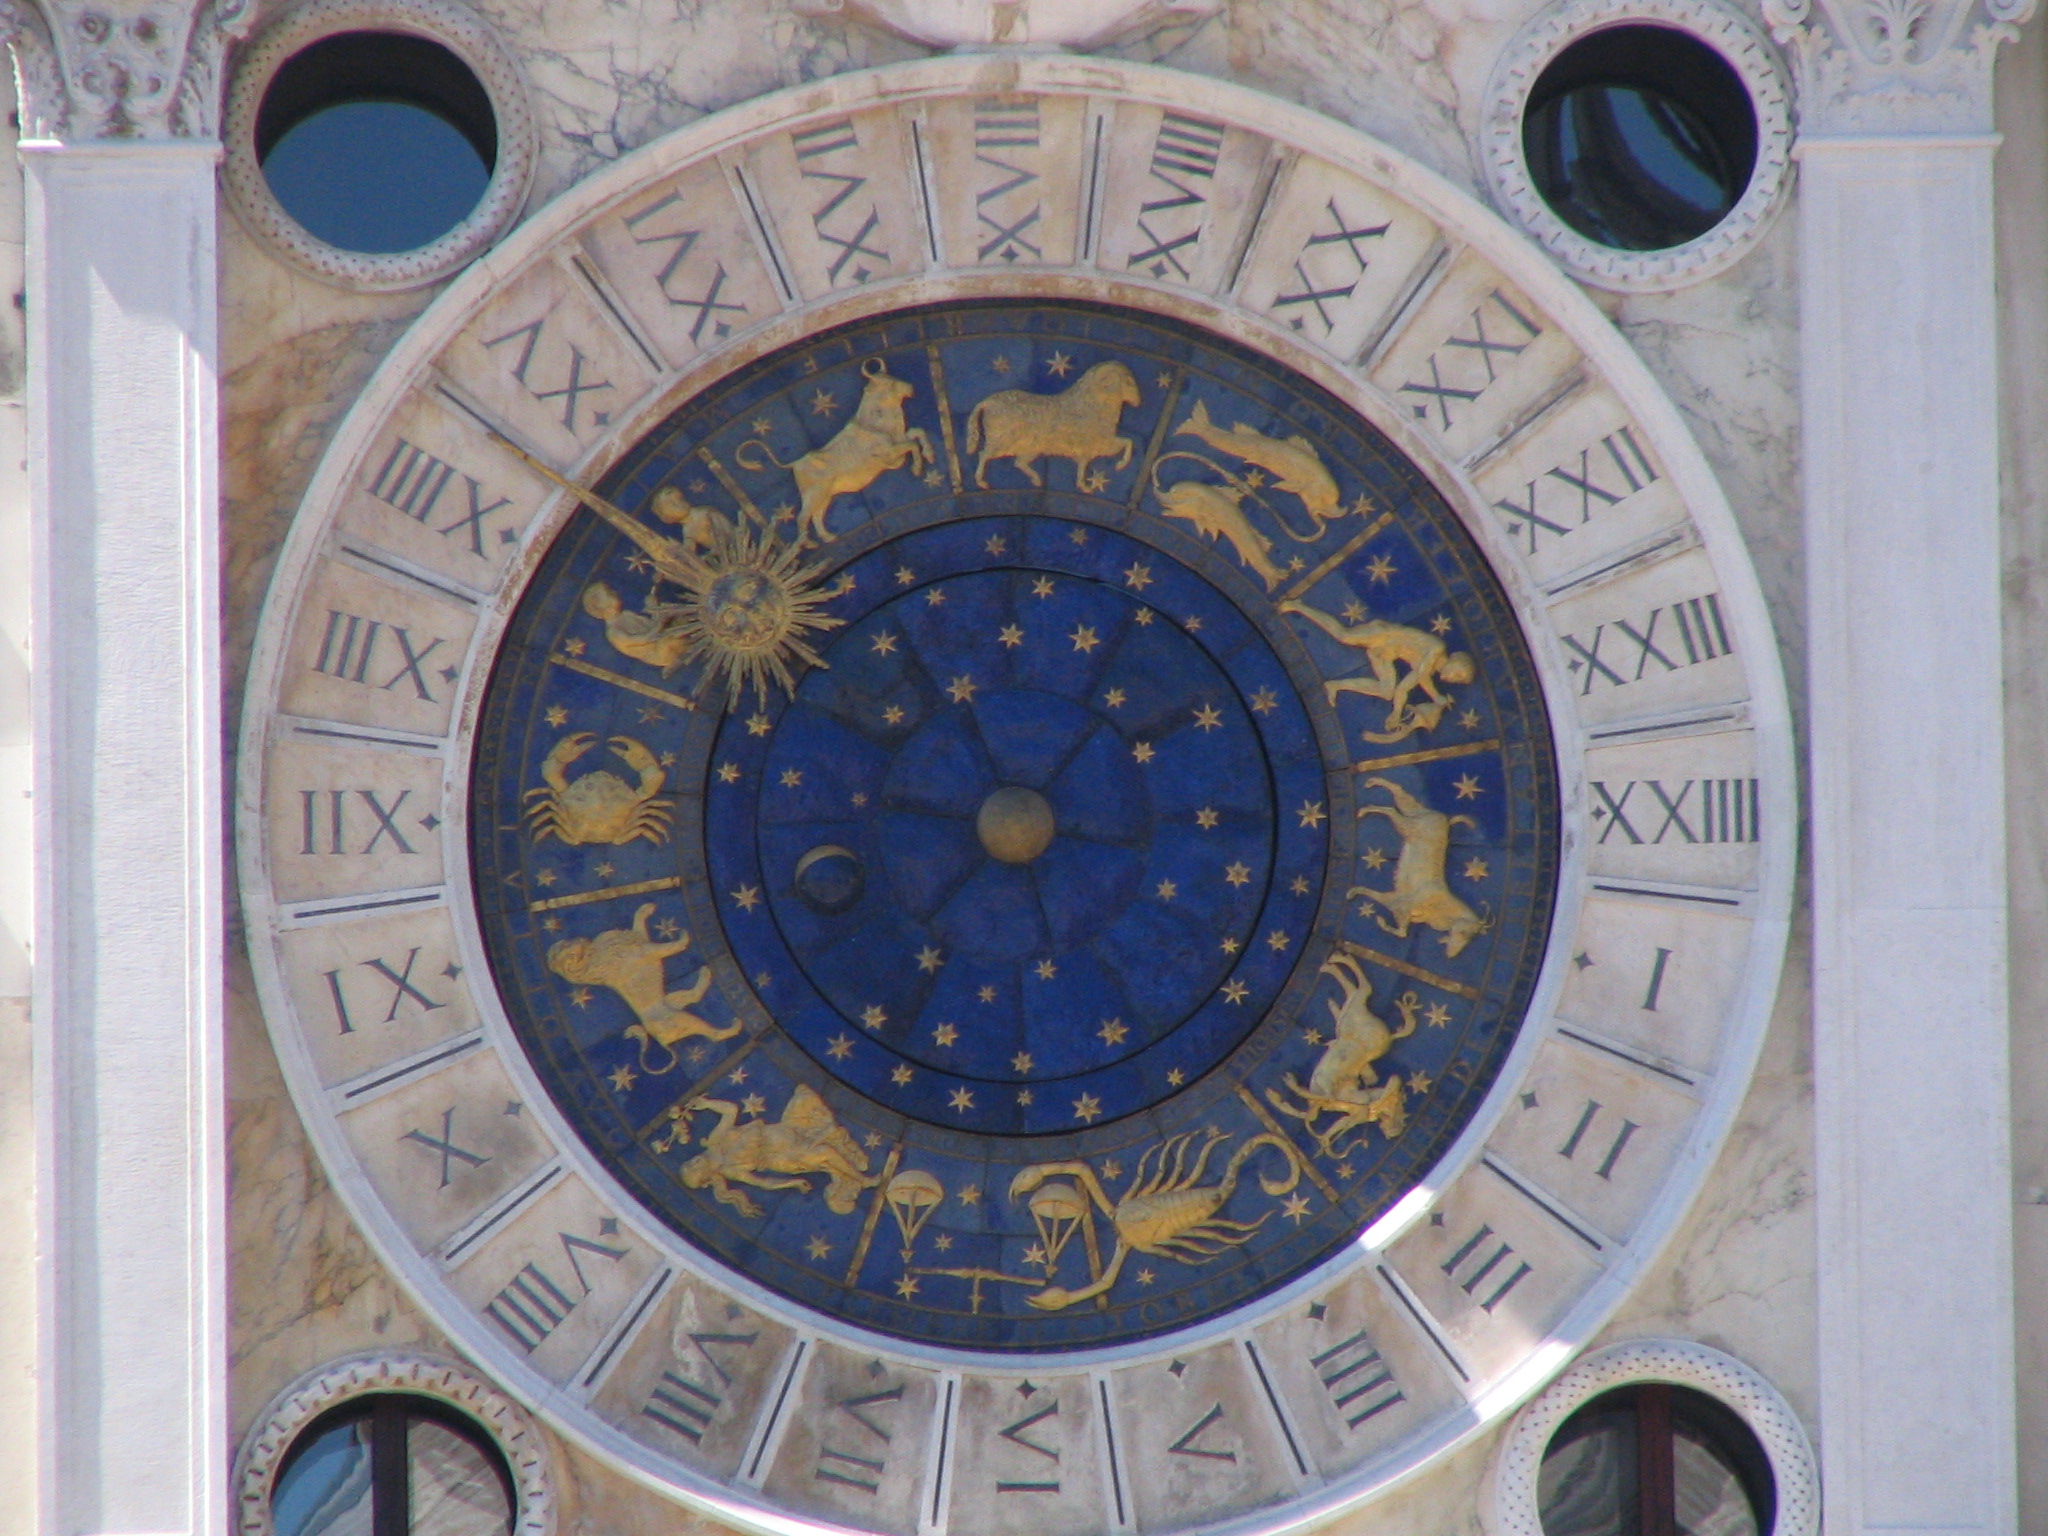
pixel 329 1386
pixel 1730 35
pixel 463 33
pixel 1482 363
pixel 1514 1509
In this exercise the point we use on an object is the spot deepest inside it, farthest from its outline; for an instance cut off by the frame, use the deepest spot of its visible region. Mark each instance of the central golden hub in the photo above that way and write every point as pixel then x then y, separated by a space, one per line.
pixel 1015 824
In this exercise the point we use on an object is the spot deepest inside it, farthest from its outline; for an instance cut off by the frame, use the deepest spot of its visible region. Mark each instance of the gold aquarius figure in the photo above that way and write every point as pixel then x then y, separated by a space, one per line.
pixel 1166 1212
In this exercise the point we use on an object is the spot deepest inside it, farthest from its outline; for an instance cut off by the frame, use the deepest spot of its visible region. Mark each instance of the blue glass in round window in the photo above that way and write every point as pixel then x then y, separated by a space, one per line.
pixel 1640 137
pixel 376 141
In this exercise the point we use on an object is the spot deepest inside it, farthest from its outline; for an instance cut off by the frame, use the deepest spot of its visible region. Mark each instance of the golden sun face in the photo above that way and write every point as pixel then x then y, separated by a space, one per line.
pixel 747 605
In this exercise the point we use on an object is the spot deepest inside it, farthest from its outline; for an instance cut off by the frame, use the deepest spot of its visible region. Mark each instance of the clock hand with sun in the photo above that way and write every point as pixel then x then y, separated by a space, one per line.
pixel 747 600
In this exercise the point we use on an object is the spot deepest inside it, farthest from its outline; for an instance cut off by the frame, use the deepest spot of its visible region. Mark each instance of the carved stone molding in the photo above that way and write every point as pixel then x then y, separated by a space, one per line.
pixel 1869 67
pixel 970 25
pixel 120 69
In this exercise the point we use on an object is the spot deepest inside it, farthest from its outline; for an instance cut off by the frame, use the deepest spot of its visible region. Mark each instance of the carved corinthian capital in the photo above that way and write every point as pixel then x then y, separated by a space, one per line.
pixel 120 69
pixel 1894 66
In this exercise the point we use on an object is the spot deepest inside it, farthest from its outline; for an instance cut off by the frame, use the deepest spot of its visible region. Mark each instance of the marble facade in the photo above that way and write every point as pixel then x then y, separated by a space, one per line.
pixel 1854 1238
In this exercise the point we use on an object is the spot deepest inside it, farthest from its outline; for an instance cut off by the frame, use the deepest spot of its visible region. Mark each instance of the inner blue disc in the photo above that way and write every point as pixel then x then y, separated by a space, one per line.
pixel 1061 697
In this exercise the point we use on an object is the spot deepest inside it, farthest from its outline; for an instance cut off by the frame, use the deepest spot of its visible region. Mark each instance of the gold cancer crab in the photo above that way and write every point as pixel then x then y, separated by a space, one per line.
pixel 1165 1211
pixel 600 807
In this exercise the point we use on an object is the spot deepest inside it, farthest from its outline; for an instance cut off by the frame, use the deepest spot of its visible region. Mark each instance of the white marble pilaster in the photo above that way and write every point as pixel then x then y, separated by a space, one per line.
pixel 128 997
pixel 1900 443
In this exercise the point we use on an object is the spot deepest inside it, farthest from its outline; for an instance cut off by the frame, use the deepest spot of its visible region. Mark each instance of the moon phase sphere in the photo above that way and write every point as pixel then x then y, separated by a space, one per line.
pixel 830 880
pixel 1015 824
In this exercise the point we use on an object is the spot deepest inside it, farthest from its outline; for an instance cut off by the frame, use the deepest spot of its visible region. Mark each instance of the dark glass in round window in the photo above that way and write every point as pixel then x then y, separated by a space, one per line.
pixel 1640 137
pixel 376 141
pixel 1656 1460
pixel 392 1465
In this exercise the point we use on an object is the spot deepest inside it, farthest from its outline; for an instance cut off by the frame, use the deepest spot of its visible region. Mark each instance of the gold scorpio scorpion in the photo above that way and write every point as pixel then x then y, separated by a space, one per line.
pixel 1164 1212
pixel 600 807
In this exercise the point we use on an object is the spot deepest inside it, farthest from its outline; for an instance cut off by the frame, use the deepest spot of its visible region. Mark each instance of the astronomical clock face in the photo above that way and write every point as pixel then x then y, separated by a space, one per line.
pixel 1061 896
pixel 1055 813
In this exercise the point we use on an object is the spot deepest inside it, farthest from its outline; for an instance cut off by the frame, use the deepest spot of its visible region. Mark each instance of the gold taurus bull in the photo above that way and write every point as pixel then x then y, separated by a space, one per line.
pixel 1079 423
pixel 874 442
pixel 1420 894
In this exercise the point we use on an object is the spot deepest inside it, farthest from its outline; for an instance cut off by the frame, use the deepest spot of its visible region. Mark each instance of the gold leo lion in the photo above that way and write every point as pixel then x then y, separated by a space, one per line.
pixel 1079 423
pixel 631 963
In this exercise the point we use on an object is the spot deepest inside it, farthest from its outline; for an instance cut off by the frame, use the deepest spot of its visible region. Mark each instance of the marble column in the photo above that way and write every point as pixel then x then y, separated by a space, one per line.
pixel 127 767
pixel 1907 790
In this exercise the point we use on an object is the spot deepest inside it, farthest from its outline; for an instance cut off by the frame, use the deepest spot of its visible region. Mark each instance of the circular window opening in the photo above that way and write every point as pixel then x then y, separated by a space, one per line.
pixel 388 1464
pixel 376 141
pixel 1640 137
pixel 1656 1460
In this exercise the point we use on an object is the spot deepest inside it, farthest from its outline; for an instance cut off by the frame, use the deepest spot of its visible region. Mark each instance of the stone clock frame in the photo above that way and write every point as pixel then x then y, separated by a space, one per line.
pixel 1664 955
